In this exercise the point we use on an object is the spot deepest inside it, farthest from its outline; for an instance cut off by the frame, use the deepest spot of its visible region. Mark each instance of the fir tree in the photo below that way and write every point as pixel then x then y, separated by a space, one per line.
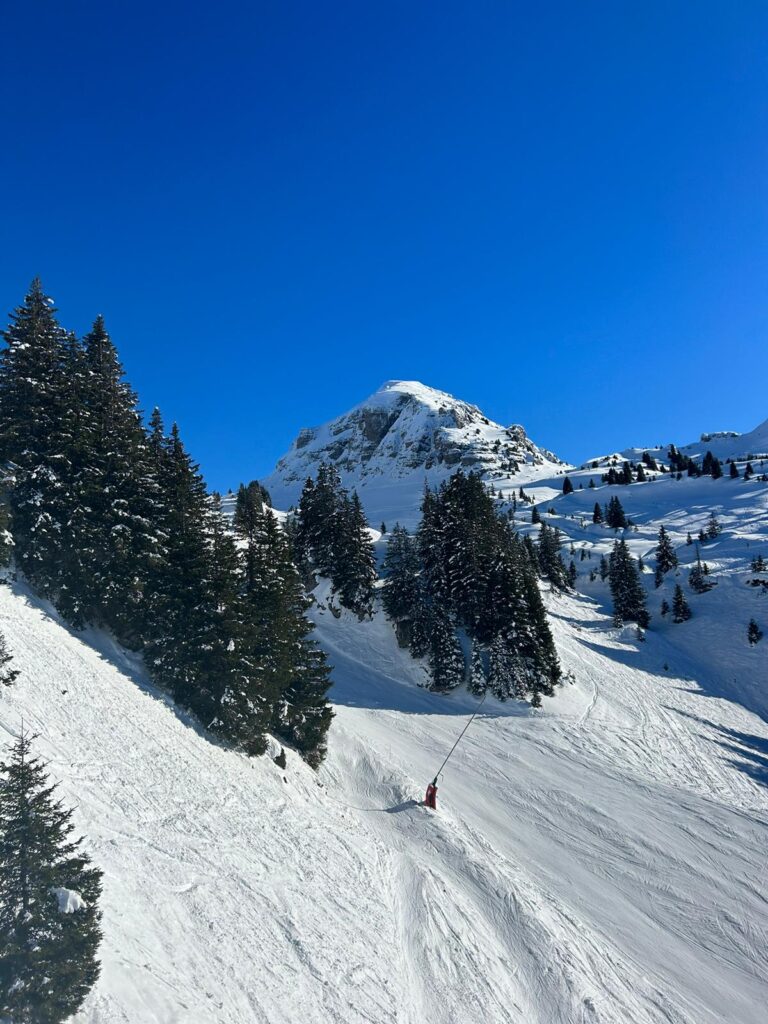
pixel 567 486
pixel 7 675
pixel 734 471
pixel 615 517
pixel 603 569
pixel 478 680
pixel 551 563
pixel 446 659
pixel 36 428
pixel 49 899
pixel 293 670
pixel 573 574
pixel 626 589
pixel 597 513
pixel 535 517
pixel 354 573
pixel 664 608
pixel 754 633
pixel 666 558
pixel 748 471
pixel 714 529
pixel 402 593
pixel 680 610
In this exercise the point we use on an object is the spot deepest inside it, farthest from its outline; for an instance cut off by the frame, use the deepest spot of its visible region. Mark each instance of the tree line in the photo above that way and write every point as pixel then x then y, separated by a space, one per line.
pixel 112 522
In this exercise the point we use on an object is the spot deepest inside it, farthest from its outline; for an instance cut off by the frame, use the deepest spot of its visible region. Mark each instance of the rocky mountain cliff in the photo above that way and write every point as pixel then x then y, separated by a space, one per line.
pixel 407 432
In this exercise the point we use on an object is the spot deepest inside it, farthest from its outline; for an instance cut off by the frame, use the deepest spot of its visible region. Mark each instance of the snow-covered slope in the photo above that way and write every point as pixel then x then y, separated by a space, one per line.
pixel 602 861
pixel 730 445
pixel 404 435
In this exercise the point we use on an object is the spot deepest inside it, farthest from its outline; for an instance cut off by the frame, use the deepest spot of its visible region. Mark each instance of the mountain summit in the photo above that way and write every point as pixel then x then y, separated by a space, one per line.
pixel 406 434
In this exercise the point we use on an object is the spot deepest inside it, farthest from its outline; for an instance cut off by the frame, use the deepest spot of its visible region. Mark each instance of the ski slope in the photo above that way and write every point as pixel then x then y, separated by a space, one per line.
pixel 600 861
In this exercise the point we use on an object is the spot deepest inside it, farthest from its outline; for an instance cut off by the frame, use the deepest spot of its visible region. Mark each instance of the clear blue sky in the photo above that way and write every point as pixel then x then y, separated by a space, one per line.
pixel 558 211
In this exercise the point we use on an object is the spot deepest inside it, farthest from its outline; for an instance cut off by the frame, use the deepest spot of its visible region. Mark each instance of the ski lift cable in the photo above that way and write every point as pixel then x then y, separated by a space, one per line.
pixel 458 740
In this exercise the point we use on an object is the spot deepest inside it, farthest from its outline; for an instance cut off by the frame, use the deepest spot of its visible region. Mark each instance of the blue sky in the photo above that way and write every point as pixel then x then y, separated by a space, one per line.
pixel 556 211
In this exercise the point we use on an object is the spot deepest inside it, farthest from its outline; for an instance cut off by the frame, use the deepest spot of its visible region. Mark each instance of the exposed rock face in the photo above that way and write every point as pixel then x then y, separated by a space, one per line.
pixel 406 430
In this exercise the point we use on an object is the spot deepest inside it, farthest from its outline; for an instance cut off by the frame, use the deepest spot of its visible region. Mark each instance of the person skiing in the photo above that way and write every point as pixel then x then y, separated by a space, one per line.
pixel 431 798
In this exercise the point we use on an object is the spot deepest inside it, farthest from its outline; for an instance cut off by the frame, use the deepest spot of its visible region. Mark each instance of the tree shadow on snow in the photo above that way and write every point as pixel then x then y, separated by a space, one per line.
pixel 751 751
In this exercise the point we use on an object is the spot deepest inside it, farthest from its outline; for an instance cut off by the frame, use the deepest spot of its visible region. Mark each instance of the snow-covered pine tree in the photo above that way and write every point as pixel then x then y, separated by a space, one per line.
pixel 597 513
pixel 122 494
pixel 615 517
pixel 714 529
pixel 500 668
pixel 626 589
pixel 666 558
pixel 6 538
pixel 293 670
pixel 36 426
pixel 551 563
pixel 446 658
pixel 49 898
pixel 354 572
pixel 680 609
pixel 402 593
pixel 7 674
pixel 478 680
pixel 754 633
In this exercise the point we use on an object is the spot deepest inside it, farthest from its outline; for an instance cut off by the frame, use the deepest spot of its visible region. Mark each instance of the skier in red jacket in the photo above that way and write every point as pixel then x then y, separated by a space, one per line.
pixel 431 798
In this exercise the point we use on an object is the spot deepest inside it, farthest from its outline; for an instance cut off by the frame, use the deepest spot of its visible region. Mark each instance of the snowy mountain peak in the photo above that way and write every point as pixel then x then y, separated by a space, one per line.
pixel 406 434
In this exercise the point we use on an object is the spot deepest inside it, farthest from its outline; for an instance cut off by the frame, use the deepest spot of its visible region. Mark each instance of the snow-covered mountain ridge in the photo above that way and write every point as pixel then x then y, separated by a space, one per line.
pixel 402 436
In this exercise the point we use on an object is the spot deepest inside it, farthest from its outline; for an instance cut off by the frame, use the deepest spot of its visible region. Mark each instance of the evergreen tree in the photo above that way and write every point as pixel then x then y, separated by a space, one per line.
pixel 748 471
pixel 402 593
pixel 714 529
pixel 249 505
pixel 666 558
pixel 759 564
pixel 734 471
pixel 7 675
pixel 626 589
pixel 603 569
pixel 354 574
pixel 754 633
pixel 36 434
pixel 535 517
pixel 573 574
pixel 121 492
pixel 49 899
pixel 597 513
pixel 567 486
pixel 446 659
pixel 478 680
pixel 615 517
pixel 6 538
pixel 293 671
pixel 680 610
pixel 689 539
pixel 664 608
pixel 551 563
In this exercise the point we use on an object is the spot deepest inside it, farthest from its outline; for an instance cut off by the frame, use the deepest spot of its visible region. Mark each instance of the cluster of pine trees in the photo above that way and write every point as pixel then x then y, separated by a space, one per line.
pixel 467 570
pixel 112 522
pixel 331 537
